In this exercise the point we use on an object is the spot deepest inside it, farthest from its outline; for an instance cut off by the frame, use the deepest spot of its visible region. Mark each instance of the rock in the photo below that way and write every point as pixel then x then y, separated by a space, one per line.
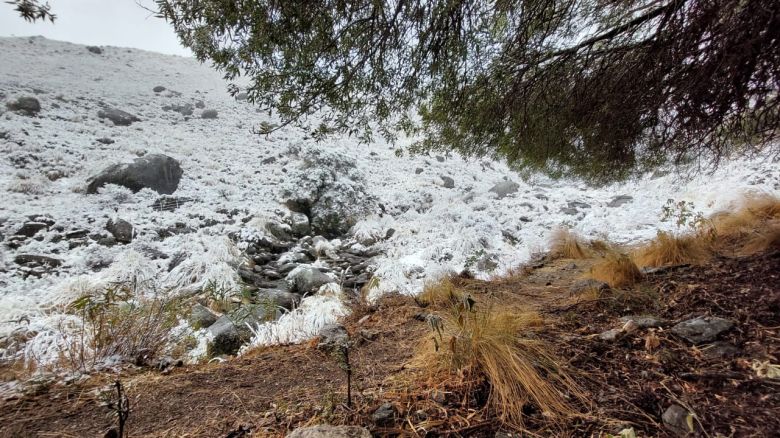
pixel 384 415
pixel 200 105
pixel 678 420
pixel 720 350
pixel 505 188
pixel 30 229
pixel 279 230
pixel 201 317
pixel 305 279
pixel 27 105
pixel 702 329
pixel 38 260
pixel 185 109
pixel 105 140
pixel 299 224
pixel 588 284
pixel 119 117
pixel 158 89
pixel 447 182
pixel 158 172
pixel 95 49
pixel 121 229
pixel 278 297
pixel 643 321
pixel 226 338
pixel 418 171
pixel 611 335
pixel 324 431
pixel 620 200
pixel 77 234
pixel 208 114
pixel 333 337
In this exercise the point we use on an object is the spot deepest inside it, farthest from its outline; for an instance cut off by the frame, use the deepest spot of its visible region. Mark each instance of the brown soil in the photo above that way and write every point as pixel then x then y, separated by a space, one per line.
pixel 271 391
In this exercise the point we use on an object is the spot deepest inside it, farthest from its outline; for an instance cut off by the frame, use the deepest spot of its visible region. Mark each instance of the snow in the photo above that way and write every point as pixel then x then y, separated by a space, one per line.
pixel 234 187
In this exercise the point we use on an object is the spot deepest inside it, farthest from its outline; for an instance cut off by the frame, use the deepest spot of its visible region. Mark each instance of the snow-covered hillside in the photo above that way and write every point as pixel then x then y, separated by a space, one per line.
pixel 441 209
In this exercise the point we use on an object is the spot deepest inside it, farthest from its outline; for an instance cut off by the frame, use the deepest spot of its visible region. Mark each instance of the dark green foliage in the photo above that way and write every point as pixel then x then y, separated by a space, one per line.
pixel 599 89
pixel 33 10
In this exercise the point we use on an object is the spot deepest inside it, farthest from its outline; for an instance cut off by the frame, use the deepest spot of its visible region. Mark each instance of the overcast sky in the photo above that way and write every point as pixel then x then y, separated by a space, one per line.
pixel 119 23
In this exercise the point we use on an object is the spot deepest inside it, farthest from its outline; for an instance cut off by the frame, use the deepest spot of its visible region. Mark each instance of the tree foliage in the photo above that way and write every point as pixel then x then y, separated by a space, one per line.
pixel 33 10
pixel 599 89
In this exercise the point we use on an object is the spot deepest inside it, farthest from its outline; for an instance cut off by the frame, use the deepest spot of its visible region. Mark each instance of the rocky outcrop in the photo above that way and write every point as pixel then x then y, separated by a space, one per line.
pixel 27 105
pixel 160 173
pixel 118 117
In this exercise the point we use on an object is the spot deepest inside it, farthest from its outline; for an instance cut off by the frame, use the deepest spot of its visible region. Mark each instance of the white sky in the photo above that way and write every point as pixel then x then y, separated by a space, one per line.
pixel 119 23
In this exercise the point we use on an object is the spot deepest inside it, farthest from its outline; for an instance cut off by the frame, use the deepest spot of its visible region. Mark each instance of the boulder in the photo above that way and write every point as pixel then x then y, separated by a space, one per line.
pixel 121 229
pixel 279 230
pixel 325 431
pixel 95 49
pixel 505 188
pixel 226 337
pixel 208 114
pixel 29 229
pixel 620 200
pixel 158 89
pixel 201 317
pixel 158 172
pixel 306 278
pixel 702 329
pixel 278 297
pixel 27 105
pixel 679 421
pixel 447 182
pixel 118 117
pixel 38 260
pixel 333 337
pixel 184 109
pixel 299 224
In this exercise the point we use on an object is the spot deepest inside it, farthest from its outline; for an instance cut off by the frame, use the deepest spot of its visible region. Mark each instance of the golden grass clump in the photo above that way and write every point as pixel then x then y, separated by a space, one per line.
pixel 752 225
pixel 669 249
pixel 439 294
pixel 565 244
pixel 617 270
pixel 482 347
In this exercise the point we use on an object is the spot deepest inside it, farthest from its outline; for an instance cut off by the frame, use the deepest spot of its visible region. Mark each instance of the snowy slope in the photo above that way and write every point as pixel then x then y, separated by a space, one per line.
pixel 437 229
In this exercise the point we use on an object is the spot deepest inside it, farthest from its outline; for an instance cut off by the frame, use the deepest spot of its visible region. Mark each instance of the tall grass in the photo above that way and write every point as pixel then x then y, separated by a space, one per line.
pixel 617 270
pixel 670 249
pixel 567 245
pixel 486 347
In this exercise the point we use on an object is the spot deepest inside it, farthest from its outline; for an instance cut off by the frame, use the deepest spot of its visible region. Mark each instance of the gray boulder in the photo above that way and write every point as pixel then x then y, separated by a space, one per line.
pixel 384 415
pixel 333 337
pixel 27 105
pixel 118 117
pixel 278 297
pixel 158 89
pixel 299 224
pixel 37 260
pixel 679 421
pixel 201 317
pixel 95 49
pixel 122 230
pixel 209 114
pixel 226 337
pixel 620 200
pixel 29 229
pixel 306 279
pixel 185 109
pixel 702 329
pixel 325 431
pixel 158 172
pixel 447 182
pixel 505 188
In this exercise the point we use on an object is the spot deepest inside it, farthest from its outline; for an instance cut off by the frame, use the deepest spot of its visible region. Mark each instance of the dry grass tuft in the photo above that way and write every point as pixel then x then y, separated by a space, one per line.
pixel 482 349
pixel 617 270
pixel 751 225
pixel 669 249
pixel 440 294
pixel 762 240
pixel 564 244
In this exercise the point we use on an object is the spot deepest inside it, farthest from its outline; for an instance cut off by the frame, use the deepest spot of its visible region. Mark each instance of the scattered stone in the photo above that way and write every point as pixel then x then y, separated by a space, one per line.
pixel 305 279
pixel 278 230
pixel 77 234
pixel 333 337
pixel 158 172
pixel 644 321
pixel 185 109
pixel 611 335
pixel 299 224
pixel 39 260
pixel 505 188
pixel 158 89
pixel 418 171
pixel 27 105
pixel 226 338
pixel 200 105
pixel 447 182
pixel 384 415
pixel 121 229
pixel 168 203
pixel 620 200
pixel 678 420
pixel 702 329
pixel 201 317
pixel 324 431
pixel 118 117
pixel 29 229
pixel 95 49
pixel 278 297
pixel 105 140
pixel 208 114
pixel 585 285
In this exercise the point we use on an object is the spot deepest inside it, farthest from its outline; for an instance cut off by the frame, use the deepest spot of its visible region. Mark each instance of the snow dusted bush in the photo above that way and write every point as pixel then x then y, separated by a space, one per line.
pixel 329 188
pixel 28 184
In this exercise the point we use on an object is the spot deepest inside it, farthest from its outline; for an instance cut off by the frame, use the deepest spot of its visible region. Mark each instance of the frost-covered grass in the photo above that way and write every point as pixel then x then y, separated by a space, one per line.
pixel 232 175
